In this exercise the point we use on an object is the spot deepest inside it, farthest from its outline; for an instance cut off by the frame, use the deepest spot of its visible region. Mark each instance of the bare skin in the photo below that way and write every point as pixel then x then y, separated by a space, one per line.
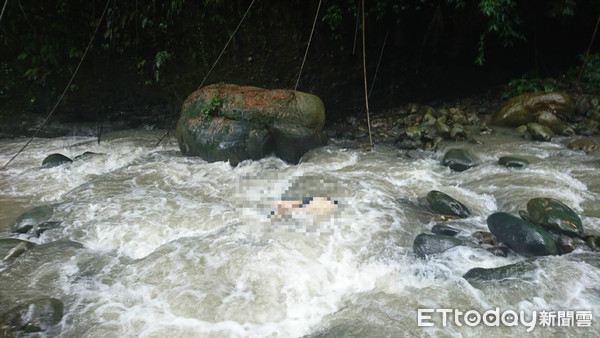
pixel 315 205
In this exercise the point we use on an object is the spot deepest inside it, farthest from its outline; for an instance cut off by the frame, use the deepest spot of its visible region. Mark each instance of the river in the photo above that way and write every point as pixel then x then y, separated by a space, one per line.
pixel 174 246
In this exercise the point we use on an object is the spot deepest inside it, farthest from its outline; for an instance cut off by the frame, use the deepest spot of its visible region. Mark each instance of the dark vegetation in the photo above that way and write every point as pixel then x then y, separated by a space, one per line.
pixel 149 55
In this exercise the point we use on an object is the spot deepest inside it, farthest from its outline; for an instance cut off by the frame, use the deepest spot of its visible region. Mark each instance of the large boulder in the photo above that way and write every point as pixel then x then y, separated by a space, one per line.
pixel 229 122
pixel 523 237
pixel 528 108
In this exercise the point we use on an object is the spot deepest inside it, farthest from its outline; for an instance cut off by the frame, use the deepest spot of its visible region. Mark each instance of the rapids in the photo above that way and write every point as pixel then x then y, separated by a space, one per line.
pixel 176 246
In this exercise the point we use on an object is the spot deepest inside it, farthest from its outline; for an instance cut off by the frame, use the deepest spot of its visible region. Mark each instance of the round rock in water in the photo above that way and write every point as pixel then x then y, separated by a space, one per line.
pixel 512 162
pixel 459 160
pixel 426 245
pixel 586 145
pixel 442 203
pixel 54 160
pixel 540 132
pixel 555 215
pixel 521 236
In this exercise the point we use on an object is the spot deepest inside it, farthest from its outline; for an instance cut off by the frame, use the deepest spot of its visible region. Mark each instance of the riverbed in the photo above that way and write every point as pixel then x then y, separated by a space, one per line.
pixel 155 244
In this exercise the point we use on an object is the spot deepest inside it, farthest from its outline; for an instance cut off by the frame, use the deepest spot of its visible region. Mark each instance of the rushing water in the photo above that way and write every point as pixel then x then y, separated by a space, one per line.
pixel 175 246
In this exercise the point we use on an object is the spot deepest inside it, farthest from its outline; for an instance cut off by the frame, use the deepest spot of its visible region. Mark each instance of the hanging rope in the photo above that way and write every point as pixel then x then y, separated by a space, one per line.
pixel 365 74
pixel 215 63
pixel 65 91
pixel 378 62
pixel 3 9
pixel 308 46
pixel 356 27
pixel 227 44
pixel 587 54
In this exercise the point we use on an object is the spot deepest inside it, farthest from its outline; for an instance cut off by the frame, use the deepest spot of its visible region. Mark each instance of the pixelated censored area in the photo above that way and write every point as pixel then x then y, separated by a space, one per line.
pixel 282 203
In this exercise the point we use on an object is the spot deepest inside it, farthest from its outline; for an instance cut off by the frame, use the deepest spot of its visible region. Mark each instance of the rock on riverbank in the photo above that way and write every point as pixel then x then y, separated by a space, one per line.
pixel 229 122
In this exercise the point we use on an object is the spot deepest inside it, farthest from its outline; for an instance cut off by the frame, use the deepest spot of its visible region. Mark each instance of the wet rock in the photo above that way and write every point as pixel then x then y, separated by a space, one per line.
pixel 593 243
pixel 562 129
pixel 426 245
pixel 521 129
pixel 500 273
pixel 459 160
pixel 521 236
pixel 547 119
pixel 458 133
pixel 228 122
pixel 86 156
pixel 484 237
pixel 31 220
pixel 37 315
pixel 586 145
pixel 441 127
pixel 442 229
pixel 526 108
pixel 428 120
pixel 554 215
pixel 539 132
pixel 11 248
pixel 441 203
pixel 512 162
pixel 565 244
pixel 54 160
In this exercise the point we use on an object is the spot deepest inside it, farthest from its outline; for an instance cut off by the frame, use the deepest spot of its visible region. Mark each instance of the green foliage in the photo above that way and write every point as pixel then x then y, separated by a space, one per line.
pixel 589 82
pixel 333 17
pixel 502 20
pixel 160 60
pixel 212 107
pixel 8 84
pixel 590 78
pixel 524 85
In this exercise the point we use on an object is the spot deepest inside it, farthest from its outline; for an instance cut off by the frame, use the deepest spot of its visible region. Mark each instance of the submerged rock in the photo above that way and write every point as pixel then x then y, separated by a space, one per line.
pixel 521 236
pixel 442 203
pixel 35 315
pixel 86 156
pixel 426 245
pixel 54 160
pixel 11 248
pixel 512 162
pixel 540 132
pixel 586 145
pixel 235 123
pixel 36 220
pixel 554 215
pixel 459 160
pixel 527 108
pixel 499 273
